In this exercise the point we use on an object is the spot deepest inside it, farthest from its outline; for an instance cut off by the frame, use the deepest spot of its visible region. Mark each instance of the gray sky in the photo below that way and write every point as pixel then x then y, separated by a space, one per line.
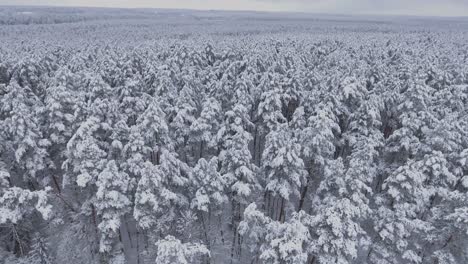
pixel 403 7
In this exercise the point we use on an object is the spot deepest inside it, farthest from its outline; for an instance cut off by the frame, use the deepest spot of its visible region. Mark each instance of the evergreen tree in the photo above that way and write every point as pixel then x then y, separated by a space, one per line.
pixel 112 202
pixel 276 242
pixel 39 253
pixel 159 197
pixel 173 251
pixel 204 128
pixel 283 166
pixel 237 169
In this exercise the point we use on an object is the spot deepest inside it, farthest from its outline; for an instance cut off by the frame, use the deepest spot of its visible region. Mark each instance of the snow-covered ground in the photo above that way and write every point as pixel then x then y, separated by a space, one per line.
pixel 177 136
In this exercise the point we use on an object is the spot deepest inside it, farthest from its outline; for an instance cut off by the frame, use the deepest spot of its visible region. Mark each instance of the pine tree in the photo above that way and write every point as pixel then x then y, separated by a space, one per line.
pixel 204 128
pixel 112 202
pixel 235 157
pixel 21 118
pixel 318 140
pixel 276 242
pixel 173 251
pixel 237 169
pixel 283 166
pixel 17 204
pixel 335 229
pixel 60 107
pixel 159 197
pixel 85 155
pixel 152 129
pixel 209 186
pixel 210 195
pixel 39 253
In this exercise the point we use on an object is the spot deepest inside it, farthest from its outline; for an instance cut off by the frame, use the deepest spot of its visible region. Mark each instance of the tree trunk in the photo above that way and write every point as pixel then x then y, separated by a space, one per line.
pixel 234 228
pixel 282 214
pixel 303 196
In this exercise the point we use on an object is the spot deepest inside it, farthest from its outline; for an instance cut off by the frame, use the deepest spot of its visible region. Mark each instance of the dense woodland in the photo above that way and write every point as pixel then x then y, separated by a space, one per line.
pixel 343 144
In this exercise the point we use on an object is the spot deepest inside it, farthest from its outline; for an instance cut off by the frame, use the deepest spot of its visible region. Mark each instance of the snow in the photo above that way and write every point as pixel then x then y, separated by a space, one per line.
pixel 168 136
pixel 25 13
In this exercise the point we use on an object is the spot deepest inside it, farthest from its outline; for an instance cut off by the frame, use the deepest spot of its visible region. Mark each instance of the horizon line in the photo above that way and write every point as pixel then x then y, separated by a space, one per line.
pixel 242 10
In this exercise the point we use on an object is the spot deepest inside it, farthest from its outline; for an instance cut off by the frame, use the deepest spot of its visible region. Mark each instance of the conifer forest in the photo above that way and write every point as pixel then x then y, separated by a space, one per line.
pixel 209 137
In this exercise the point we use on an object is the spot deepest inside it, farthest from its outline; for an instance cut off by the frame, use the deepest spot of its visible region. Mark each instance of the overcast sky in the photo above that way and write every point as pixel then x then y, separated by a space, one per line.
pixel 403 7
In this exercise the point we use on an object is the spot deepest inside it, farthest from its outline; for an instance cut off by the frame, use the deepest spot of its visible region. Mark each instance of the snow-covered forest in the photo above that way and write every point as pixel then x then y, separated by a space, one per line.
pixel 177 137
